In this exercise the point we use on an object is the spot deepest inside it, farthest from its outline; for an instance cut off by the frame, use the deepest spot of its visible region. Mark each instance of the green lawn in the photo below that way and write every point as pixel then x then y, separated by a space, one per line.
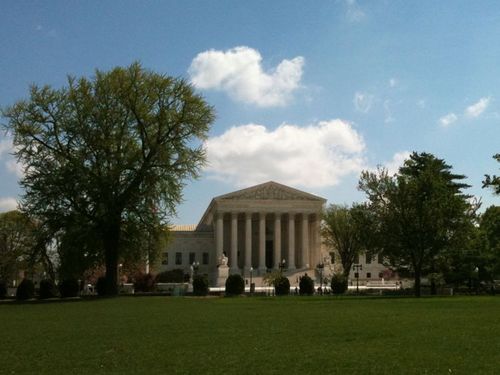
pixel 291 335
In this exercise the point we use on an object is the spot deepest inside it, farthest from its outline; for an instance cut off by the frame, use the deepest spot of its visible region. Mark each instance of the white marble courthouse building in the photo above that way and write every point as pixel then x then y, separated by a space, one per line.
pixel 258 229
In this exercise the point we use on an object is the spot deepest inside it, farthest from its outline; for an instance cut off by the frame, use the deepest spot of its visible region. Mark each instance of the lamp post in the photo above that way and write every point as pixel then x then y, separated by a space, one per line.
pixel 252 286
pixel 282 265
pixel 356 268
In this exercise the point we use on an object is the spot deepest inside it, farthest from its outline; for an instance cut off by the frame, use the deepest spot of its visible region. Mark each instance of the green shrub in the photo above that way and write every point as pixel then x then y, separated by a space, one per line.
pixel 200 285
pixel 282 286
pixel 235 285
pixel 25 290
pixel 69 288
pixel 172 276
pixel 339 284
pixel 48 289
pixel 306 285
pixel 144 282
pixel 3 289
pixel 100 286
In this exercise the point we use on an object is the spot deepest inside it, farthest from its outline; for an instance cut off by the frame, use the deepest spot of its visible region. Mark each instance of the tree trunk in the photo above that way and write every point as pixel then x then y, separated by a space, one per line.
pixel 111 242
pixel 418 276
pixel 433 288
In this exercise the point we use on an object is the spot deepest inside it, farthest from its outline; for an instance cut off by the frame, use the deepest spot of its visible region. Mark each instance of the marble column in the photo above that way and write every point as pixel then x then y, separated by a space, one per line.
pixel 219 236
pixel 277 240
pixel 262 242
pixel 248 241
pixel 305 241
pixel 234 242
pixel 291 241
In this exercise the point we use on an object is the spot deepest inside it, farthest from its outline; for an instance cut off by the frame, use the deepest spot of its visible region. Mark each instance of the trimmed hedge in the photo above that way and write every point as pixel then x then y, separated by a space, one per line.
pixel 47 290
pixel 306 286
pixel 172 276
pixel 144 282
pixel 235 285
pixel 25 290
pixel 69 288
pixel 3 289
pixel 338 284
pixel 100 286
pixel 200 285
pixel 282 286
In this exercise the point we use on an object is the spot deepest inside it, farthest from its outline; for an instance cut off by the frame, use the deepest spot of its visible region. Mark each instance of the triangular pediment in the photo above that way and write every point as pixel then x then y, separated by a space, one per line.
pixel 270 191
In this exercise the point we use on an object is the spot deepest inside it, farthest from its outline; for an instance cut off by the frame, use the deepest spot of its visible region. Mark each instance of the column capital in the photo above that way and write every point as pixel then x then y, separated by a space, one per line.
pixel 234 214
pixel 248 215
pixel 277 215
pixel 291 215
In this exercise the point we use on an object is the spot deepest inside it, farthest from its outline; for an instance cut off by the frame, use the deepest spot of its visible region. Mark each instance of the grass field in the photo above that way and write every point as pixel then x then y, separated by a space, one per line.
pixel 291 335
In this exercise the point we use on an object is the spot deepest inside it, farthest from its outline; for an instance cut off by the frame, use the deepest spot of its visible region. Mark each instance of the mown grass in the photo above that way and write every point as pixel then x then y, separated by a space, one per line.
pixel 291 335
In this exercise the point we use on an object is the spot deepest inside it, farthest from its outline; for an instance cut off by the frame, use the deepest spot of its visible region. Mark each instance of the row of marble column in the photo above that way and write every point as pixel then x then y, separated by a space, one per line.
pixel 233 253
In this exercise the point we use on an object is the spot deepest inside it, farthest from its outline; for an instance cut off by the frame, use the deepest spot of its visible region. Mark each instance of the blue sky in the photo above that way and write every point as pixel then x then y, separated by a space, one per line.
pixel 305 95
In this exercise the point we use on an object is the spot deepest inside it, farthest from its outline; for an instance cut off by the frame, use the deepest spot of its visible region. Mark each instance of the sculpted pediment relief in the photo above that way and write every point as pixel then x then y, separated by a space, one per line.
pixel 270 191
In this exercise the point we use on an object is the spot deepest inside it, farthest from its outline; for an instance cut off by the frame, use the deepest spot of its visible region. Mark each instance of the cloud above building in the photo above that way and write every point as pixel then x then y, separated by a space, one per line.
pixel 314 156
pixel 240 74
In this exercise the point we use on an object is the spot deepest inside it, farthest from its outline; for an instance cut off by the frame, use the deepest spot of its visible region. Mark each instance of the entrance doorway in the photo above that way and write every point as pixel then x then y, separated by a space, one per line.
pixel 269 254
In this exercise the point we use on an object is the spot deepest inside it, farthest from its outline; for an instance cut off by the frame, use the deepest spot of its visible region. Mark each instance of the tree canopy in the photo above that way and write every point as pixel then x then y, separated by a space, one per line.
pixel 494 180
pixel 421 211
pixel 16 242
pixel 342 231
pixel 106 158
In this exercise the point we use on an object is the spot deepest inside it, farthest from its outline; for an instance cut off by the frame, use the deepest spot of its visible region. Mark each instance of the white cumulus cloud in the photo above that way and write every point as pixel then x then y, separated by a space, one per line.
pixel 239 72
pixel 8 204
pixel 314 156
pixel 397 161
pixel 477 108
pixel 11 164
pixel 362 101
pixel 448 119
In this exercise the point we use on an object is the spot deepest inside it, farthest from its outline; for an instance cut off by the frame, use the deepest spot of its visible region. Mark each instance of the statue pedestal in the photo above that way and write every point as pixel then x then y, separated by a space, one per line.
pixel 221 275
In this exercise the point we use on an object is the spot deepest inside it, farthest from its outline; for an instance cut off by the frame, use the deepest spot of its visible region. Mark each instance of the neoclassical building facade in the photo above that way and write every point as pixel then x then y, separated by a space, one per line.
pixel 255 230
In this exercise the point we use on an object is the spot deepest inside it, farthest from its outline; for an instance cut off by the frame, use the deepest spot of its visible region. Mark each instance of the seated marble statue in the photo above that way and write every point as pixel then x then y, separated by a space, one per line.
pixel 223 260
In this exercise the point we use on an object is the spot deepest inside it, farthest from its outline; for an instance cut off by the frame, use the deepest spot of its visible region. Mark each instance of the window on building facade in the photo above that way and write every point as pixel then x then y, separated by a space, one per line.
pixel 178 258
pixel 205 258
pixel 368 275
pixel 356 275
pixel 164 259
pixel 192 258
pixel 368 258
pixel 332 256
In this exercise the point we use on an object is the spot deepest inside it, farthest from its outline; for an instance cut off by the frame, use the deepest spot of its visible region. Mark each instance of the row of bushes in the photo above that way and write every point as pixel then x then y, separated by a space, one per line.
pixel 235 285
pixel 48 289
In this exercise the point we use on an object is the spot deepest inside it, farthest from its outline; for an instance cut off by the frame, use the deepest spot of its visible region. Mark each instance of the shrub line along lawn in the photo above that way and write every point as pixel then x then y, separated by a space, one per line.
pixel 259 335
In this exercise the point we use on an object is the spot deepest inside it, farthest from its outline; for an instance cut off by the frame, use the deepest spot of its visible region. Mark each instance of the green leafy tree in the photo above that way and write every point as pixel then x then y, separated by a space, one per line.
pixel 489 242
pixel 16 242
pixel 343 231
pixel 107 158
pixel 494 180
pixel 421 210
